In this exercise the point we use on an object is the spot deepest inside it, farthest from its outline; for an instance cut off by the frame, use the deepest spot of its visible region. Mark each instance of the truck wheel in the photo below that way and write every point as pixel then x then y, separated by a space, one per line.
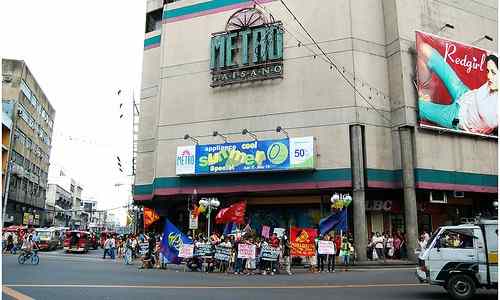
pixel 461 287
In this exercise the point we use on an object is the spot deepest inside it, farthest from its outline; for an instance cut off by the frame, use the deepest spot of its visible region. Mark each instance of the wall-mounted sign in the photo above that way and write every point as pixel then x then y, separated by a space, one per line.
pixel 245 157
pixel 250 49
pixel 457 86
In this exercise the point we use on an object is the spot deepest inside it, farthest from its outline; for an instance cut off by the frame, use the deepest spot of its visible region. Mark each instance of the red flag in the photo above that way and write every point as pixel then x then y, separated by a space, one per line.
pixel 150 216
pixel 302 241
pixel 234 213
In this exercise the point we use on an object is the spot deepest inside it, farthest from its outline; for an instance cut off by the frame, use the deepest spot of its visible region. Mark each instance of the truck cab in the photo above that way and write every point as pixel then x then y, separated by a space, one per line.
pixel 461 258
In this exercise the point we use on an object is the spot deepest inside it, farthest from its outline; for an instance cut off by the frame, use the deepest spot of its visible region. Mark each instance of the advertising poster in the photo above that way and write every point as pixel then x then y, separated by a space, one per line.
pixel 246 157
pixel 457 86
pixel 302 241
pixel 26 218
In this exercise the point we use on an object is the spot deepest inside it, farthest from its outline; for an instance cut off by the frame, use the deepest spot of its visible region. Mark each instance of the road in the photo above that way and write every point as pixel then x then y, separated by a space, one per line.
pixel 88 276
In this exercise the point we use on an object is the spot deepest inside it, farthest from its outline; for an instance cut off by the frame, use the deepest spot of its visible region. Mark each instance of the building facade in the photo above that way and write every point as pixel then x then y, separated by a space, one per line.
pixel 32 118
pixel 59 206
pixel 359 103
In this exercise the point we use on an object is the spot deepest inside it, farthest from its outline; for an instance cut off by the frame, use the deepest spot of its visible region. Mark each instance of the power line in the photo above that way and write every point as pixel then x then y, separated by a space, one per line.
pixel 325 57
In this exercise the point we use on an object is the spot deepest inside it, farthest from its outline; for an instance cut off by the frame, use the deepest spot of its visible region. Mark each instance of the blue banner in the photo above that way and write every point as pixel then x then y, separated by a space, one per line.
pixel 172 241
pixel 243 157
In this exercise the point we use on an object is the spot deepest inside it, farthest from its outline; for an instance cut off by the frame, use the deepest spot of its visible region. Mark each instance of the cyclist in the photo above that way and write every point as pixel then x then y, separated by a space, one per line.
pixel 28 245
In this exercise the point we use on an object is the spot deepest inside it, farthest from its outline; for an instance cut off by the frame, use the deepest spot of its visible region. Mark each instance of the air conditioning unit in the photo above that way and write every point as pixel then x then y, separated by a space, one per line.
pixel 458 194
pixel 438 197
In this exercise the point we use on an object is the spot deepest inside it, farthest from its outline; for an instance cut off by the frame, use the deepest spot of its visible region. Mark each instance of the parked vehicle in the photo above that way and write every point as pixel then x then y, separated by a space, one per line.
pixel 461 258
pixel 77 241
pixel 94 244
pixel 49 238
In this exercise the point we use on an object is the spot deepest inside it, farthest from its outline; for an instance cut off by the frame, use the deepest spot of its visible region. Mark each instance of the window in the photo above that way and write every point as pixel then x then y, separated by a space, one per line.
pixel 28 143
pixel 153 20
pixel 26 90
pixel 457 239
pixel 17 158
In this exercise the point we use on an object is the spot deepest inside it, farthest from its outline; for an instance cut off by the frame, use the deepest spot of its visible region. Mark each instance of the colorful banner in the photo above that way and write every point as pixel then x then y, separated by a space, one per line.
pixel 172 241
pixel 150 216
pixel 246 251
pixel 302 241
pixel 245 157
pixel 457 86
pixel 326 247
pixel 232 214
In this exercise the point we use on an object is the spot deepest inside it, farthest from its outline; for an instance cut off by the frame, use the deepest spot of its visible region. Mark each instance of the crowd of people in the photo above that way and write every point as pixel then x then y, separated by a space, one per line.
pixel 12 242
pixel 207 259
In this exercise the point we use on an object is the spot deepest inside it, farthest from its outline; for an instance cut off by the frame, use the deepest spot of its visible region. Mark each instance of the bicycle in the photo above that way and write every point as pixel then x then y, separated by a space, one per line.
pixel 32 256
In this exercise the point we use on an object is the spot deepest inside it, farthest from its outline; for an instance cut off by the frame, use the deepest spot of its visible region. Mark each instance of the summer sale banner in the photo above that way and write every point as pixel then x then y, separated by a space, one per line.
pixel 457 86
pixel 244 157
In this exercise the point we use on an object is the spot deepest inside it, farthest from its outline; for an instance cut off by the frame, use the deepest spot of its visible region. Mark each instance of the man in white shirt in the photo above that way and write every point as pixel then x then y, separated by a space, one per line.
pixel 107 247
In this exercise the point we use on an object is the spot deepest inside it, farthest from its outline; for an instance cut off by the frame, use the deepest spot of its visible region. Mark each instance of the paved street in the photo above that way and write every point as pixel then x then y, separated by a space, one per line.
pixel 87 276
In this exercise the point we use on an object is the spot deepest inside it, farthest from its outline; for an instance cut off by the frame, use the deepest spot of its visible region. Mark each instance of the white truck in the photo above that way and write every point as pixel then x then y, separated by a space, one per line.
pixel 461 258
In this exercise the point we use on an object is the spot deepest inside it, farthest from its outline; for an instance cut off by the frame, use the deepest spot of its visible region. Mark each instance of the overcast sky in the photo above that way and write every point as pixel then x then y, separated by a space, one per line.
pixel 81 53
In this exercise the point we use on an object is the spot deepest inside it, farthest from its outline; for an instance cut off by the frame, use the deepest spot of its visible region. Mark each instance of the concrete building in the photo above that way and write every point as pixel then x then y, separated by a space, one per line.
pixel 361 109
pixel 32 118
pixel 64 186
pixel 59 205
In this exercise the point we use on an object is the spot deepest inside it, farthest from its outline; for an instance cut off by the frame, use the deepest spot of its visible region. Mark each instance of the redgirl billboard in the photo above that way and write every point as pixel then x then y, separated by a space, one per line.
pixel 457 86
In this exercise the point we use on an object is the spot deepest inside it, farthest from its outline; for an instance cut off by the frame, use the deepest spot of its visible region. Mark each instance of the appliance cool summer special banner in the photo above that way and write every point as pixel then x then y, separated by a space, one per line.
pixel 243 157
pixel 457 86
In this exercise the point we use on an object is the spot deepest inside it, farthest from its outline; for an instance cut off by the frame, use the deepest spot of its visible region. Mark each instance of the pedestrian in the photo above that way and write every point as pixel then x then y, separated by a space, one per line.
pixel 128 251
pixel 378 243
pixel 321 257
pixel 285 246
pixel 112 247
pixel 390 246
pixel 330 258
pixel 345 250
pixel 107 247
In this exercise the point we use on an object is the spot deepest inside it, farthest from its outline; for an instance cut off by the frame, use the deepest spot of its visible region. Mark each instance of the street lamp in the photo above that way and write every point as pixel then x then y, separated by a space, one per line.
pixel 209 203
pixel 216 133
pixel 246 131
pixel 188 137
pixel 280 129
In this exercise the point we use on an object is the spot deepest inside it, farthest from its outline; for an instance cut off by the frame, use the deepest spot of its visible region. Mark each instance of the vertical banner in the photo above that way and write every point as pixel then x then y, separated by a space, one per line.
pixel 193 221
pixel 457 86
pixel 302 241
pixel 265 231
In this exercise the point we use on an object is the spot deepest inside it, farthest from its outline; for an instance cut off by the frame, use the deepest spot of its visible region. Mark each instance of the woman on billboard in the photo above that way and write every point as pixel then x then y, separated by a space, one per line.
pixel 471 110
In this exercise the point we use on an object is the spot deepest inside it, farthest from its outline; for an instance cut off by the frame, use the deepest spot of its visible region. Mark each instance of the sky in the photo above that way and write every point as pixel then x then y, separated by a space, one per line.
pixel 81 53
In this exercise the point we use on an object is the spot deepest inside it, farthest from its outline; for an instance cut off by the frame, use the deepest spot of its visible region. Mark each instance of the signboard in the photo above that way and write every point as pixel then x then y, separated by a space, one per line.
pixel 143 248
pixel 184 160
pixel 222 253
pixel 249 49
pixel 36 220
pixel 204 250
pixel 279 231
pixel 457 86
pixel 302 241
pixel 246 251
pixel 270 253
pixel 246 157
pixel 326 247
pixel 186 251
pixel 265 231
pixel 26 218
pixel 193 221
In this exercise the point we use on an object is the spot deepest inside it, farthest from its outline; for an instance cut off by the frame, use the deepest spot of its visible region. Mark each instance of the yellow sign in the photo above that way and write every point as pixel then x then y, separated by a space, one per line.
pixel 26 218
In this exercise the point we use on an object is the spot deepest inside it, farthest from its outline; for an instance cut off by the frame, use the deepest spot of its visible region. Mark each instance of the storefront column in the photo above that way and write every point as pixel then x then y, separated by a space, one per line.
pixel 410 199
pixel 358 188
